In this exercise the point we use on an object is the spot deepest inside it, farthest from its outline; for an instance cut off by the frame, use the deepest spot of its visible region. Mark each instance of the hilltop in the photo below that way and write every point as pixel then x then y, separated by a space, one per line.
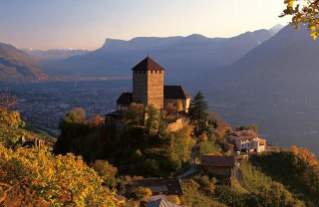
pixel 16 66
pixel 170 160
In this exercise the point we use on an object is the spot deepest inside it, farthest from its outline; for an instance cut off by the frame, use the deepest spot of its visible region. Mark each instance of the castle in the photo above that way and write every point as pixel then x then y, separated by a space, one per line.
pixel 149 89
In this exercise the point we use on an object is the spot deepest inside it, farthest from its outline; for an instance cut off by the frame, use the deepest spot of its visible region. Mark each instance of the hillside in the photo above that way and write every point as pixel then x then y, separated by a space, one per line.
pixel 44 56
pixel 275 86
pixel 281 178
pixel 146 152
pixel 16 65
pixel 32 176
pixel 183 57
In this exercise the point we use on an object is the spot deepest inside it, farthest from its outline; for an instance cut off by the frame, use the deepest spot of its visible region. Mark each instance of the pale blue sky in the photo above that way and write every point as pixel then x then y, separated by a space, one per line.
pixel 44 24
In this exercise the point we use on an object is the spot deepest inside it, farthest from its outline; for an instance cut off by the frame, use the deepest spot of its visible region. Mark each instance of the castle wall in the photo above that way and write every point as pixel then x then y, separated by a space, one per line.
pixel 140 87
pixel 148 88
pixel 155 88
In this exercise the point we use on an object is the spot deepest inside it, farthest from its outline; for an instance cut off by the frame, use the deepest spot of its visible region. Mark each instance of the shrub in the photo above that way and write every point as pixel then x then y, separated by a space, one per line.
pixel 39 177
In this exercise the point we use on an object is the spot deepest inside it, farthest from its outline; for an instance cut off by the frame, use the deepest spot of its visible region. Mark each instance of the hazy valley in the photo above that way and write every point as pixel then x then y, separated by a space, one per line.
pixel 265 87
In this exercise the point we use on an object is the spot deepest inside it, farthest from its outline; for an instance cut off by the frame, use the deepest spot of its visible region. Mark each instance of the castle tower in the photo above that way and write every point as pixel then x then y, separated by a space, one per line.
pixel 148 83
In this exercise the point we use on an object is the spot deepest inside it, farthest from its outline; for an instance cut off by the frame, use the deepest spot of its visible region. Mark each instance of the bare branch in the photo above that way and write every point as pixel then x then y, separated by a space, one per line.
pixel 7 100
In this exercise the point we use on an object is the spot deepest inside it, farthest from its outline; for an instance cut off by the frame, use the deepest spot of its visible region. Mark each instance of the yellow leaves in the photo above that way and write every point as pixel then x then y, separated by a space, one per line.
pixel 314 35
pixel 57 179
pixel 10 119
pixel 305 155
pixel 304 12
pixel 290 3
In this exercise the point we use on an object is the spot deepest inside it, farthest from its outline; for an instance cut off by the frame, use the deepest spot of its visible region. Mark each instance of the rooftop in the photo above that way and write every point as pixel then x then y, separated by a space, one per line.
pixel 148 64
pixel 174 92
pixel 166 186
pixel 218 161
pixel 247 134
pixel 125 98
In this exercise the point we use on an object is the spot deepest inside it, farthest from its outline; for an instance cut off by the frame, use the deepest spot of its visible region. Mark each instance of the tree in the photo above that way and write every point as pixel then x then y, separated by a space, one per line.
pixel 73 127
pixel 75 116
pixel 198 108
pixel 141 193
pixel 135 114
pixel 304 12
pixel 33 177
pixel 153 120
pixel 181 144
pixel 198 114
pixel 106 171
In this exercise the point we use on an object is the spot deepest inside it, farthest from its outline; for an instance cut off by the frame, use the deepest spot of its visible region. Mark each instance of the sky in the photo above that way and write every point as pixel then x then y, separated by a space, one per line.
pixel 86 24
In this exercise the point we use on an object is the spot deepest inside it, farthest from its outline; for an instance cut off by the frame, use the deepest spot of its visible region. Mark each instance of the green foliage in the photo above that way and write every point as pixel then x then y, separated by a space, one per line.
pixel 141 146
pixel 181 144
pixel 75 116
pixel 198 108
pixel 106 171
pixel 253 179
pixel 153 121
pixel 209 147
pixel 297 169
pixel 135 115
pixel 194 197
pixel 263 190
pixel 199 115
pixel 80 135
pixel 231 197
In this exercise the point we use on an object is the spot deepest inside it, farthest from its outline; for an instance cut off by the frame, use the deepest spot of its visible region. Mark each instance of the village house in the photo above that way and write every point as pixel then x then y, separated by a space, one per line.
pixel 149 89
pixel 221 166
pixel 247 140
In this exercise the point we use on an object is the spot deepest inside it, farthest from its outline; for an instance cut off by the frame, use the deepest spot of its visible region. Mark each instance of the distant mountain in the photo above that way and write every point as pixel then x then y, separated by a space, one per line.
pixel 15 65
pixel 53 54
pixel 275 86
pixel 183 57
pixel 275 29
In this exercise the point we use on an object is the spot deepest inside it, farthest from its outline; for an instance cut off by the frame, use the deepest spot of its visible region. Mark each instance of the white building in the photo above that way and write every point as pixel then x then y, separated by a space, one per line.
pixel 248 141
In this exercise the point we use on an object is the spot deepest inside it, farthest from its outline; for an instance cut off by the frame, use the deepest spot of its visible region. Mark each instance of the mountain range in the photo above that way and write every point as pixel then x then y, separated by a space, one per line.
pixel 183 57
pixel 274 85
pixel 42 56
pixel 15 65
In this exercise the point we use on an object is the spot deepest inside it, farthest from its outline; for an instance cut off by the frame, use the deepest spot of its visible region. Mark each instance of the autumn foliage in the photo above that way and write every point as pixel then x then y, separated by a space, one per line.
pixel 31 177
pixel 304 12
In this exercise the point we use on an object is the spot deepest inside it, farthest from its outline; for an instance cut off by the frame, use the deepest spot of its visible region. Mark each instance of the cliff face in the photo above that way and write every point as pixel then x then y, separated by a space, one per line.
pixel 16 65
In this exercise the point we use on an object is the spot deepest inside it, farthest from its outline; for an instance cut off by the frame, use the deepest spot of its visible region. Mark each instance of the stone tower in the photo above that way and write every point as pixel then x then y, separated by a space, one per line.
pixel 148 83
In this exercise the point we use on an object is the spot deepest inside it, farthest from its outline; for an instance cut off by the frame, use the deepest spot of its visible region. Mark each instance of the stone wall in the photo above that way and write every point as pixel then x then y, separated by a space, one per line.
pixel 148 88
pixel 140 87
pixel 155 88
